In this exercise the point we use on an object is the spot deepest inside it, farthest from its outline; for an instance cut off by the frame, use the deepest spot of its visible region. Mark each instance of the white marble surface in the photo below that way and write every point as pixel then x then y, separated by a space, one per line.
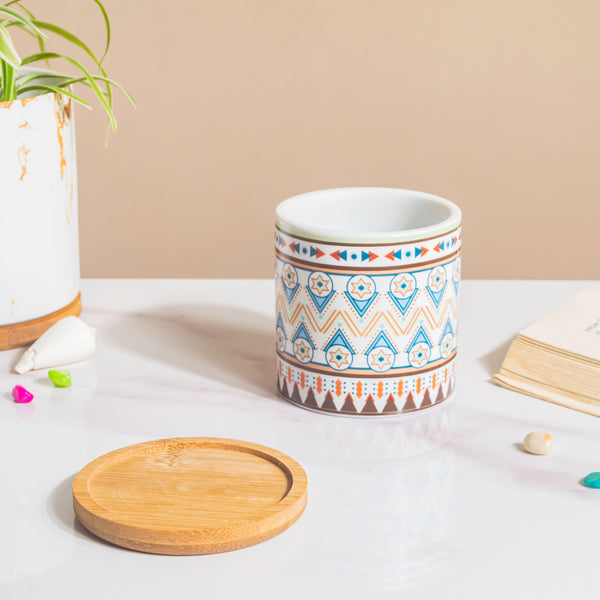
pixel 442 505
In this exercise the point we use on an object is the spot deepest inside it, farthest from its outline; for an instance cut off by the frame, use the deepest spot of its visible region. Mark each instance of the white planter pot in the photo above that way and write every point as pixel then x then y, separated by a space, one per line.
pixel 39 242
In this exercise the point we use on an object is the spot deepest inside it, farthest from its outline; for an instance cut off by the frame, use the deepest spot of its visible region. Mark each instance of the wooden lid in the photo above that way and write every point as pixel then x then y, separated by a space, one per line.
pixel 190 495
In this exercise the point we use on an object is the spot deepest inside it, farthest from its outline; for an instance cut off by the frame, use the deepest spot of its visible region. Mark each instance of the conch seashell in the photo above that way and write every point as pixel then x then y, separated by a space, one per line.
pixel 67 341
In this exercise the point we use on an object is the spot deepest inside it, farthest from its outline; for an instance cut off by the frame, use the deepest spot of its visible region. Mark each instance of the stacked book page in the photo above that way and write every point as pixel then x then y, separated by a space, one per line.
pixel 558 357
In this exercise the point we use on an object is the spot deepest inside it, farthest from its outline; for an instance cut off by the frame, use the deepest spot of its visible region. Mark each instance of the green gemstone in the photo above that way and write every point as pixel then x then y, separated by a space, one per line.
pixel 592 480
pixel 60 377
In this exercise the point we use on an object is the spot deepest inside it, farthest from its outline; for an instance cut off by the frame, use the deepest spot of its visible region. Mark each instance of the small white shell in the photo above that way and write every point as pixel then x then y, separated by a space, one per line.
pixel 538 442
pixel 67 341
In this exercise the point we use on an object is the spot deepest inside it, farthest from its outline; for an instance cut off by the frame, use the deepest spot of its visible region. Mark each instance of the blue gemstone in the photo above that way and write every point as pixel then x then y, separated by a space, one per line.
pixel 592 480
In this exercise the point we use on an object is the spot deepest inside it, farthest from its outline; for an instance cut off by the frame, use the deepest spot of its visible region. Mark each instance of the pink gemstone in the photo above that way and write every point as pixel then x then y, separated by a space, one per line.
pixel 21 395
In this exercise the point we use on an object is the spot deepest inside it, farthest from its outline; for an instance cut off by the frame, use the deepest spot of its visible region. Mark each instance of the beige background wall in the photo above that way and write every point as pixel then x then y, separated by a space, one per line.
pixel 494 105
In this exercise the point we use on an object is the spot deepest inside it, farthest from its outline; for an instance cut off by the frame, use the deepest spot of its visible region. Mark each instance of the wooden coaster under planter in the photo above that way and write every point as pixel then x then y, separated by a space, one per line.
pixel 190 495
pixel 23 334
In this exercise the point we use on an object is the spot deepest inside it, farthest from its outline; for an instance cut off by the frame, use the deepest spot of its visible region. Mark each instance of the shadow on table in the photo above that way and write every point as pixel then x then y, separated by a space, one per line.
pixel 226 344
pixel 60 510
pixel 492 361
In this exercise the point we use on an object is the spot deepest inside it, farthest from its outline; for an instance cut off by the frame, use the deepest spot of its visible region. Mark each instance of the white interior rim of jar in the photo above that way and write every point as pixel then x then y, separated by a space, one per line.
pixel 367 215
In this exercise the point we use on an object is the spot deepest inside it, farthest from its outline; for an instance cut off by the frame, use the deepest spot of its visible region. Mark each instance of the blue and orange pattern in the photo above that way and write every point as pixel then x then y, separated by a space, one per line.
pixel 366 338
pixel 365 257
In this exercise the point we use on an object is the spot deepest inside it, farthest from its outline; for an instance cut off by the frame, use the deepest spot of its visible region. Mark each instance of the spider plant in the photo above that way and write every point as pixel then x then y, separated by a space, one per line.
pixel 18 79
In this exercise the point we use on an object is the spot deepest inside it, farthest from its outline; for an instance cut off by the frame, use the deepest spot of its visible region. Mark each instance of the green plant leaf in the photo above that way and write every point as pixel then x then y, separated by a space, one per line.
pixel 8 52
pixel 106 80
pixel 75 40
pixel 25 79
pixel 8 80
pixel 31 16
pixel 107 23
pixel 14 13
pixel 67 80
pixel 106 102
pixel 39 56
pixel 28 23
pixel 52 88
pixel 67 35
pixel 23 8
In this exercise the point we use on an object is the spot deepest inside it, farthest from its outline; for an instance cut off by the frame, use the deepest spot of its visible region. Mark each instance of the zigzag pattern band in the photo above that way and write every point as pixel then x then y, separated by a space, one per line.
pixel 367 339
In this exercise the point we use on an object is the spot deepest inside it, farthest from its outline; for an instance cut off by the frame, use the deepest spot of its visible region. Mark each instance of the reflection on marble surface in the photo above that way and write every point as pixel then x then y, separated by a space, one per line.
pixel 387 516
pixel 362 441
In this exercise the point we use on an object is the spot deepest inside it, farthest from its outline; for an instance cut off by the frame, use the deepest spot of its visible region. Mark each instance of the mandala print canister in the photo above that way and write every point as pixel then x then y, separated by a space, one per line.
pixel 367 286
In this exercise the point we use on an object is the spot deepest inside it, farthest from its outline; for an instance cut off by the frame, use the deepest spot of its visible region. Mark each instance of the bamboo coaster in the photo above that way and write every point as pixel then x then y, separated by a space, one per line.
pixel 190 495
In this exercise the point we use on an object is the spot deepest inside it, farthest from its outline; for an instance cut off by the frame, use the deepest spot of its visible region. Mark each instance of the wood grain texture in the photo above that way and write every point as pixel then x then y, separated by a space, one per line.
pixel 22 334
pixel 190 495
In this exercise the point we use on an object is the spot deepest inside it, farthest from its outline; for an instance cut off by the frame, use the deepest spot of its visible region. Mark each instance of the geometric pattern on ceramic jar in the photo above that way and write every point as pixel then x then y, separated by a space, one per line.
pixel 290 276
pixel 339 357
pixel 446 345
pixel 280 339
pixel 437 279
pixel 361 292
pixel 381 359
pixel 320 289
pixel 419 354
pixel 403 286
pixel 302 350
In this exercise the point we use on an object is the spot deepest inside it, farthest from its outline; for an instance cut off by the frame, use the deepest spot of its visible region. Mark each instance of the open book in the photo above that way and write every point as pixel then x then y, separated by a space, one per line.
pixel 558 357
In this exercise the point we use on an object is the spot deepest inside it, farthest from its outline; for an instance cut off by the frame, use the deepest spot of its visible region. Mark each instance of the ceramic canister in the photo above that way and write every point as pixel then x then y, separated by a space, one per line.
pixel 367 286
pixel 39 241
